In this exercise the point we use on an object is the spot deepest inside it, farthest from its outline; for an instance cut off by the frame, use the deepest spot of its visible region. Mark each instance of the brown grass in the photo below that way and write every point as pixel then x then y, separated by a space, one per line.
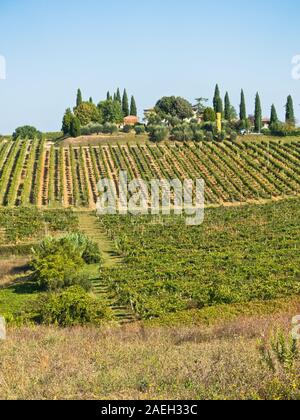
pixel 10 267
pixel 134 362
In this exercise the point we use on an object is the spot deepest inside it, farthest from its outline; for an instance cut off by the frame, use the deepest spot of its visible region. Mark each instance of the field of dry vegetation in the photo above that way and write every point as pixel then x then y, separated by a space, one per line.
pixel 134 362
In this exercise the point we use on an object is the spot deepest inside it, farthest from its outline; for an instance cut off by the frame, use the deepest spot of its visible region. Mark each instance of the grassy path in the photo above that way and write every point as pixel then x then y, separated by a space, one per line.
pixel 89 225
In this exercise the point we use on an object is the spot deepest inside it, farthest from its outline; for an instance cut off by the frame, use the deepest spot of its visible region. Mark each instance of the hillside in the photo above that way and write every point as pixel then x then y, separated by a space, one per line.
pixel 42 174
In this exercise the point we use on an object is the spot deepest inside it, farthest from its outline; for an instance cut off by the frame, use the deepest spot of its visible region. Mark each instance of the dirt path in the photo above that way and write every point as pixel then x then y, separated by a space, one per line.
pixel 90 225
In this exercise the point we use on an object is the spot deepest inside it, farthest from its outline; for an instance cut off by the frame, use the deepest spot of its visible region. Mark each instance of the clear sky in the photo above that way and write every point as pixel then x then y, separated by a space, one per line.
pixel 153 48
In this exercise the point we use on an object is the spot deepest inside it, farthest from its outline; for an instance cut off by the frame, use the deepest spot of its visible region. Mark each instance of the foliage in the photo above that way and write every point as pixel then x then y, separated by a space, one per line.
pixel 209 115
pixel 69 308
pixel 88 113
pixel 230 248
pixel 111 111
pixel 125 104
pixel 75 130
pixel 57 262
pixel 257 115
pixel 67 121
pixel 243 111
pixel 175 107
pixel 27 132
pixel 217 101
pixel 79 98
pixel 290 114
pixel 133 107
pixel 158 133
pixel 139 129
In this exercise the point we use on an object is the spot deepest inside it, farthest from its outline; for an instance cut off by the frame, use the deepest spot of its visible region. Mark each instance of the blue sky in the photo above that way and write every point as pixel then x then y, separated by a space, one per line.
pixel 155 48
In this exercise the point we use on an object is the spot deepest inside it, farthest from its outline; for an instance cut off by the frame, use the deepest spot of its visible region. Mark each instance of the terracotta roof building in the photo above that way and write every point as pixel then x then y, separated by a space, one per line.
pixel 131 120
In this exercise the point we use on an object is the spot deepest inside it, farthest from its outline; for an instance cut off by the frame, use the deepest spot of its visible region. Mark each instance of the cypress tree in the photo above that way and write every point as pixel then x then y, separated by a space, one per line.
pixel 118 96
pixel 227 111
pixel 79 98
pixel 290 114
pixel 67 120
pixel 75 127
pixel 218 104
pixel 125 104
pixel 108 96
pixel 91 100
pixel 243 112
pixel 133 108
pixel 258 115
pixel 274 118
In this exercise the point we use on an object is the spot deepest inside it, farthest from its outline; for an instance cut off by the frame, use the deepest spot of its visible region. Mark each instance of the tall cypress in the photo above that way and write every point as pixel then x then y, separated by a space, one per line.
pixel 125 104
pixel 258 115
pixel 227 111
pixel 274 117
pixel 133 107
pixel 79 98
pixel 243 111
pixel 218 104
pixel 91 100
pixel 290 114
pixel 118 96
pixel 108 96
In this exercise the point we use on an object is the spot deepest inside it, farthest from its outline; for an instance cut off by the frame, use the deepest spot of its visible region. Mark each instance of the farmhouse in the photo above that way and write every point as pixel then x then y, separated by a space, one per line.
pixel 131 120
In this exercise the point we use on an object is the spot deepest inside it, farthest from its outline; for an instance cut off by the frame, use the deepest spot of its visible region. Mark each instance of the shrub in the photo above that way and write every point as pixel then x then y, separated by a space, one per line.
pixel 158 133
pixel 57 262
pixel 71 307
pixel 139 129
pixel 209 136
pixel 127 128
pixel 182 133
pixel 233 136
pixel 110 128
pixel 198 135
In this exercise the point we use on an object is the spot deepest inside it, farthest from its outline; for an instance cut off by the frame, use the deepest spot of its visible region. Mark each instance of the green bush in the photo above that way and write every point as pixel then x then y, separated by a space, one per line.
pixel 57 262
pixel 127 128
pixel 209 136
pixel 69 308
pixel 158 133
pixel 110 128
pixel 182 133
pixel 139 129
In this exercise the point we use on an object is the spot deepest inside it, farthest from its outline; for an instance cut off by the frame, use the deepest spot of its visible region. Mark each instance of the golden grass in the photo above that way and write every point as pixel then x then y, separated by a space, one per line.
pixel 135 362
pixel 10 267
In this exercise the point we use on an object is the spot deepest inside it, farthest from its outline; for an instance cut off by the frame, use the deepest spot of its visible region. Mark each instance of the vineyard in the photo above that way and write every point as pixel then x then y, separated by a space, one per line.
pixel 44 175
pixel 239 255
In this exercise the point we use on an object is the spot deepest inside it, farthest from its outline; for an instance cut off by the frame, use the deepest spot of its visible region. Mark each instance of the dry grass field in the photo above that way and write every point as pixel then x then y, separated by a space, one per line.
pixel 137 362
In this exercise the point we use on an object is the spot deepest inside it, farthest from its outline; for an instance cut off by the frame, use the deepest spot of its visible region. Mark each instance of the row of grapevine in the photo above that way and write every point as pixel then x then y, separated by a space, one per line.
pixel 36 173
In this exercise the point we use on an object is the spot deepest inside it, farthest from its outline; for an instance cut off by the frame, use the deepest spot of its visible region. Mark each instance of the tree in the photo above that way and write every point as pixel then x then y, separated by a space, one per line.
pixel 227 112
pixel 108 96
pixel 274 118
pixel 125 104
pixel 133 108
pixel 67 120
pixel 111 111
pixel 91 100
pixel 290 114
pixel 200 105
pixel 118 96
pixel 75 127
pixel 243 112
pixel 87 113
pixel 79 98
pixel 175 107
pixel 209 115
pixel 257 115
pixel 218 104
pixel 27 132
